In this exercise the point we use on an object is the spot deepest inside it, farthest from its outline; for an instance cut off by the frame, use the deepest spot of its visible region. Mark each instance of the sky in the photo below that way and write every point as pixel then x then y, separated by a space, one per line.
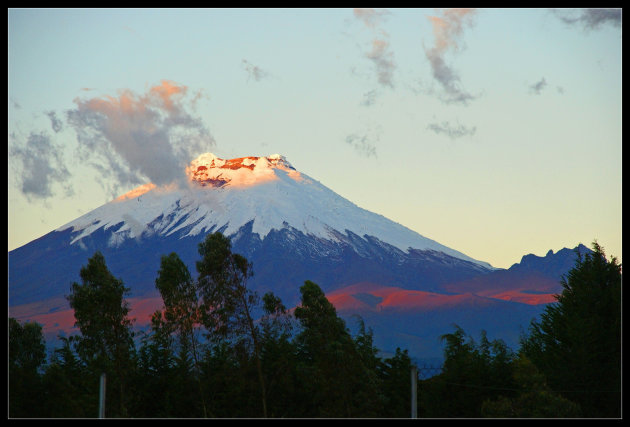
pixel 496 132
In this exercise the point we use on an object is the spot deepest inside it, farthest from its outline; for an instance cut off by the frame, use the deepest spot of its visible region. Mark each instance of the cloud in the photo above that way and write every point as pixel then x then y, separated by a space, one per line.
pixel 538 87
pixel 380 53
pixel 452 131
pixel 447 32
pixel 254 71
pixel 369 98
pixel 363 144
pixel 383 60
pixel 590 19
pixel 56 124
pixel 39 165
pixel 131 138
pixel 370 17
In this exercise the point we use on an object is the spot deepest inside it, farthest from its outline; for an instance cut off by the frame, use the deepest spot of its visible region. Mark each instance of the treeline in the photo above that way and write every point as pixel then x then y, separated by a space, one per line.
pixel 209 353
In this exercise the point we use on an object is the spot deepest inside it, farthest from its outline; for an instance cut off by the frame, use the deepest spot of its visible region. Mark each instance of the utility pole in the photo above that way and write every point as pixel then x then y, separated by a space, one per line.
pixel 414 391
pixel 101 397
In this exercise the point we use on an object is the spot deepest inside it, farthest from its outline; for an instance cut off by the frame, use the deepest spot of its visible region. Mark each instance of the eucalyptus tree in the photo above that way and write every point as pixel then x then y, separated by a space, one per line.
pixel 181 314
pixel 227 307
pixel 106 342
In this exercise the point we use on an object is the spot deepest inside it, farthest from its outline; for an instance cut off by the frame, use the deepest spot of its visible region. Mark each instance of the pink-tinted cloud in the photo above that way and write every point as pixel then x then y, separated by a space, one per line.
pixel 448 28
pixel 371 18
pixel 447 32
pixel 380 54
pixel 169 93
pixel 133 138
pixel 383 60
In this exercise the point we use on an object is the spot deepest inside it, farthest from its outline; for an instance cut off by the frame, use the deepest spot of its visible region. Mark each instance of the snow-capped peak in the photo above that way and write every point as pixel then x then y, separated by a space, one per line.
pixel 229 193
pixel 208 169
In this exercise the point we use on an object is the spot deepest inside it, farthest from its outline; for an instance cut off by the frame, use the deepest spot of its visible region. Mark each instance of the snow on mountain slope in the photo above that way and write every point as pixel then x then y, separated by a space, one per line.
pixel 231 193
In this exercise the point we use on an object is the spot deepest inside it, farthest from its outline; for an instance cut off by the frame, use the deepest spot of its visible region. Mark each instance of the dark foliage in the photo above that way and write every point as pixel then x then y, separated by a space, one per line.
pixel 207 355
pixel 472 373
pixel 26 356
pixel 576 344
pixel 105 344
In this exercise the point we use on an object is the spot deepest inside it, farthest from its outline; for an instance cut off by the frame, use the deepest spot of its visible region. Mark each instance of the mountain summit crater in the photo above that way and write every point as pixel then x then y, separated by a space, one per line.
pixel 210 170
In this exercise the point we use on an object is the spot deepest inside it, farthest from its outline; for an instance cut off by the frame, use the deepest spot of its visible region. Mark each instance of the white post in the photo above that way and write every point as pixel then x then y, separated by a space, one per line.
pixel 101 397
pixel 414 390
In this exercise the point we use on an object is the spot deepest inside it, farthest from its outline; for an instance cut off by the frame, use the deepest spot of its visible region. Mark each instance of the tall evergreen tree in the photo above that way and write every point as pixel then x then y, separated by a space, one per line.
pixel 577 342
pixel 106 340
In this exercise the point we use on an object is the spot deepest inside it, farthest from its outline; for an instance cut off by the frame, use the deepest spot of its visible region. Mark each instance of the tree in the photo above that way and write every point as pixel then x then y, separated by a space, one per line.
pixel 576 344
pixel 227 308
pixel 368 398
pixel 534 399
pixel 69 389
pixel 323 345
pixel 472 373
pixel 165 384
pixel 181 314
pixel 335 379
pixel 179 295
pixel 278 357
pixel 106 340
pixel 26 356
pixel 396 386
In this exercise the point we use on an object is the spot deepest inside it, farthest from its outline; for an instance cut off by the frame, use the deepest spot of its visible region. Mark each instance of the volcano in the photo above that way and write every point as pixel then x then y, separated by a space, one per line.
pixel 292 228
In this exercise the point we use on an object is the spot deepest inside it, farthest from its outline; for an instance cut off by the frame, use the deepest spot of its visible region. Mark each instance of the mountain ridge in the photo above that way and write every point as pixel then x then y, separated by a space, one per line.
pixel 298 200
pixel 291 228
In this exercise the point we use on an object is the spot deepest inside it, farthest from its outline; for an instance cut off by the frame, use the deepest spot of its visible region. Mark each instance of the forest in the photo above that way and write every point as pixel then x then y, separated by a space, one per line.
pixel 217 349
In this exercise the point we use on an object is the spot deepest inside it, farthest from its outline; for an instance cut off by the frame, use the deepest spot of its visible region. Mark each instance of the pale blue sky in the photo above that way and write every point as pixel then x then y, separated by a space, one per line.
pixel 531 162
